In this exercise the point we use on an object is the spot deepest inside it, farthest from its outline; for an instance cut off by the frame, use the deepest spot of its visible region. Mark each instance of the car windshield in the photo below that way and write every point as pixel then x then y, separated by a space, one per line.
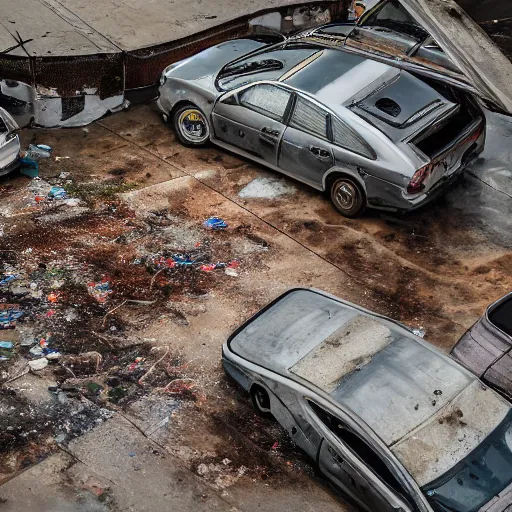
pixel 393 16
pixel 479 477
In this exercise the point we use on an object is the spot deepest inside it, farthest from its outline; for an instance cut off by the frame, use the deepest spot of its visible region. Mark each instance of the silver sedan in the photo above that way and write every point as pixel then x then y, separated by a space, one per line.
pixel 390 420
pixel 369 134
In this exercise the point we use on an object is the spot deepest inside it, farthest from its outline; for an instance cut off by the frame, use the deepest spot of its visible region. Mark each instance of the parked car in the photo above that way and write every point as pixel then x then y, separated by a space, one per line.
pixel 368 133
pixel 485 348
pixel 9 143
pixel 389 419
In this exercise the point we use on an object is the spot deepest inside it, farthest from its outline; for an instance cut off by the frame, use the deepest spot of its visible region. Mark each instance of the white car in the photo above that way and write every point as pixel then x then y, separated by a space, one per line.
pixel 9 143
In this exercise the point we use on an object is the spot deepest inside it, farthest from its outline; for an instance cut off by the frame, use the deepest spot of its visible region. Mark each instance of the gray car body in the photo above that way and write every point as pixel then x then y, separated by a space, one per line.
pixel 486 349
pixel 383 177
pixel 9 143
pixel 376 416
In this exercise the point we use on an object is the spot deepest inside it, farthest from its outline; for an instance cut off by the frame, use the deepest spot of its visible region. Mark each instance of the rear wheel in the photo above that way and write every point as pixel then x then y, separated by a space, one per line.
pixel 261 402
pixel 191 126
pixel 347 196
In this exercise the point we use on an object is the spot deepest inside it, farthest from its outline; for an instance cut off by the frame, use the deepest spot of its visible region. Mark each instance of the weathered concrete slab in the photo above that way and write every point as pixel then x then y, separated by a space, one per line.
pixel 54 30
pixel 72 27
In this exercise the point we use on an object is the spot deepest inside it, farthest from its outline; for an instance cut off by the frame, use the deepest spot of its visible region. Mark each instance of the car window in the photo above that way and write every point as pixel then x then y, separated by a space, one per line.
pixel 347 139
pixel 359 448
pixel 268 100
pixel 307 117
pixel 501 316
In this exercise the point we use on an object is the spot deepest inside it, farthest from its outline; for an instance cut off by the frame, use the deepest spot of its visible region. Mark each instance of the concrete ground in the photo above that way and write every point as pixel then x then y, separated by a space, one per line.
pixel 70 27
pixel 170 446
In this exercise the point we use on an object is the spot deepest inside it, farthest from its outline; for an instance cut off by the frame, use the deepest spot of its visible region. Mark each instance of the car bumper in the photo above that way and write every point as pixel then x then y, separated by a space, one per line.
pixel 397 199
pixel 6 169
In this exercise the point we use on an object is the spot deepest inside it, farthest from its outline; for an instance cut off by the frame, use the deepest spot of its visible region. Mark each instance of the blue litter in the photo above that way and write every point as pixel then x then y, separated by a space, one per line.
pixel 8 279
pixel 6 344
pixel 183 259
pixel 10 315
pixel 57 193
pixel 215 223
pixel 29 167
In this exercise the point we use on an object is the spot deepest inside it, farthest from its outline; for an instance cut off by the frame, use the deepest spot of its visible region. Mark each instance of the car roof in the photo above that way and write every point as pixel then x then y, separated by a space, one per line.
pixel 333 77
pixel 373 367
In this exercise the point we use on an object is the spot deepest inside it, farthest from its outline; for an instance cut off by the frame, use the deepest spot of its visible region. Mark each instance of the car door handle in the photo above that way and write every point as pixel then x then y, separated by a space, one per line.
pixel 269 131
pixel 334 455
pixel 320 153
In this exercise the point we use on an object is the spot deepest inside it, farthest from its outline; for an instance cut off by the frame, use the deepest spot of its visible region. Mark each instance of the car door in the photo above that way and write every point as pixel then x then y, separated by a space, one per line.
pixel 286 407
pixel 252 120
pixel 352 464
pixel 306 151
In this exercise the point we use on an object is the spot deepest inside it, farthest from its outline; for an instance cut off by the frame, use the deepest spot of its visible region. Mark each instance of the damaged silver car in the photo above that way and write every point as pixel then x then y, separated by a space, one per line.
pixel 486 348
pixel 315 108
pixel 9 143
pixel 390 420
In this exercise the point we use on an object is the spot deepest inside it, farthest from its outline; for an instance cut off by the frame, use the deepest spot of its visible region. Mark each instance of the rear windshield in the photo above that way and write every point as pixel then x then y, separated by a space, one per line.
pixel 477 479
pixel 501 316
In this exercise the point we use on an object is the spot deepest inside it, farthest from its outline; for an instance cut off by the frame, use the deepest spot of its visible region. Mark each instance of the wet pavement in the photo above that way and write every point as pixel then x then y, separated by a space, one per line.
pixel 159 331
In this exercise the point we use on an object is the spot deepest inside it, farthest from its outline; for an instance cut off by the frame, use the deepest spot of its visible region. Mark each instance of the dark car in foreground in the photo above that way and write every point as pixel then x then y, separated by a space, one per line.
pixel 388 419
pixel 486 348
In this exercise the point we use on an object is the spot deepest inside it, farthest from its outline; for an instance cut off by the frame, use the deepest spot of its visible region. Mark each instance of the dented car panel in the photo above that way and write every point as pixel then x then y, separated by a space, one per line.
pixel 379 410
pixel 9 143
pixel 486 348
pixel 316 114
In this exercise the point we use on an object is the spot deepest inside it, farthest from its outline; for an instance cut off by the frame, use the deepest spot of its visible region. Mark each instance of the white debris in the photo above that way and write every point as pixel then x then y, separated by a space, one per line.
pixel 38 364
pixel 266 188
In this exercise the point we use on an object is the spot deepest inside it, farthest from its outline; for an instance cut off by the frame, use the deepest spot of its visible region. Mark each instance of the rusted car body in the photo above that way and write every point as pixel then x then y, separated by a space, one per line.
pixel 368 133
pixel 388 419
pixel 486 348
pixel 9 143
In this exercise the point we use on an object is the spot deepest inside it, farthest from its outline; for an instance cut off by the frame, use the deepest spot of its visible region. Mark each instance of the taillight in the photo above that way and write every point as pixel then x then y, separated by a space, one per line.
pixel 416 184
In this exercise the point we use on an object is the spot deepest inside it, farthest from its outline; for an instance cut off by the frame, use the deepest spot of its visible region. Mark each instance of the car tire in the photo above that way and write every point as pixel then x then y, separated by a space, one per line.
pixel 261 402
pixel 191 126
pixel 347 196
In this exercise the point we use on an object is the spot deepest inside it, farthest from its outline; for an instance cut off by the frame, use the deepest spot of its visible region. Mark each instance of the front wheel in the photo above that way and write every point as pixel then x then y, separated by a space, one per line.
pixel 191 126
pixel 347 197
pixel 261 402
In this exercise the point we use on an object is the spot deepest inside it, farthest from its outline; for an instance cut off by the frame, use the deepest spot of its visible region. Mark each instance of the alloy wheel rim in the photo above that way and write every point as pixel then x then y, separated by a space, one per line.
pixel 193 125
pixel 345 195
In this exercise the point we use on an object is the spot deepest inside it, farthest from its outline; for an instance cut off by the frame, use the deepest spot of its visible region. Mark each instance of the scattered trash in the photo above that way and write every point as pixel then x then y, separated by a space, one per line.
pixel 419 332
pixel 36 351
pixel 6 344
pixel 100 291
pixel 38 364
pixel 7 279
pixel 58 159
pixel 231 272
pixel 29 167
pixel 215 223
pixel 275 446
pixel 57 192
pixel 438 392
pixel 39 151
